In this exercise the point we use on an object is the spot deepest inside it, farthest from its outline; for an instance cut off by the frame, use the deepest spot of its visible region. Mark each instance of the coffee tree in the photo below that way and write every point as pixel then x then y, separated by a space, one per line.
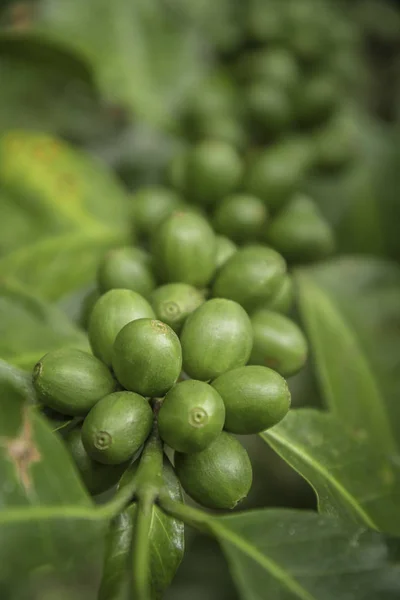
pixel 199 300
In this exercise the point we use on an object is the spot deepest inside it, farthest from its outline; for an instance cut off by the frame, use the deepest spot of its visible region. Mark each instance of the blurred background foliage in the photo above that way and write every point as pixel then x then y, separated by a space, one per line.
pixel 91 83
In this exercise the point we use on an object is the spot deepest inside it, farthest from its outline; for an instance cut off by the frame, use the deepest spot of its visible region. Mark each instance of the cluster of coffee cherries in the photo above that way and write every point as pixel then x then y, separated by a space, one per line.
pixel 187 332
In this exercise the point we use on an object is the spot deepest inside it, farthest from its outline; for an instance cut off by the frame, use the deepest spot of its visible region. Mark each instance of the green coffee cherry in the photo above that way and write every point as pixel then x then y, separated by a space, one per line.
pixel 217 337
pixel 256 398
pixel 97 478
pixel 278 343
pixel 316 99
pixel 184 250
pixel 116 427
pixel 269 108
pixel 241 218
pixel 110 314
pixel 213 170
pixel 147 357
pixel 174 302
pixel 225 249
pixel 251 276
pixel 277 173
pixel 71 381
pixel 152 205
pixel 218 477
pixel 336 143
pixel 88 303
pixel 192 416
pixel 126 268
pixel 300 232
pixel 224 128
pixel 282 301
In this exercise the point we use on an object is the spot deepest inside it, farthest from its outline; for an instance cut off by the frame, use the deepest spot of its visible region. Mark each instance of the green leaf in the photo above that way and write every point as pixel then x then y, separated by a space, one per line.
pixel 351 310
pixel 57 87
pixel 288 555
pixel 362 203
pixel 352 480
pixel 48 527
pixel 141 55
pixel 61 210
pixel 18 382
pixel 29 327
pixel 166 537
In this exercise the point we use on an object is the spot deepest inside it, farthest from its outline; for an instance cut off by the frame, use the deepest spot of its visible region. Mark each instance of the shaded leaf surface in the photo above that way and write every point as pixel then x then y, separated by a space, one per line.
pixel 142 56
pixel 45 88
pixel 32 543
pixel 29 327
pixel 61 210
pixel 352 480
pixel 351 311
pixel 287 555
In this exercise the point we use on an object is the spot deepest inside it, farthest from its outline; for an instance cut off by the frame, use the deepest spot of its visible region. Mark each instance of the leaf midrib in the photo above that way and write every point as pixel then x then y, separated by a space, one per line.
pixel 387 439
pixel 307 458
pixel 262 560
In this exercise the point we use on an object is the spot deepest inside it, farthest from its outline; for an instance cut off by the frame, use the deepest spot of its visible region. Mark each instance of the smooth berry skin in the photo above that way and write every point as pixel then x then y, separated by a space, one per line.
pixel 184 250
pixel 218 477
pixel 256 398
pixel 116 427
pixel 192 416
pixel 147 357
pixel 216 338
pixel 126 268
pixel 251 276
pixel 174 302
pixel 112 311
pixel 278 343
pixel 71 381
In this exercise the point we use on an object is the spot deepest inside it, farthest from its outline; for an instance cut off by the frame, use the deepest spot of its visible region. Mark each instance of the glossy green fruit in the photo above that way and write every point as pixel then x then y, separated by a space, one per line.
pixel 251 276
pixel 147 357
pixel 192 416
pixel 213 170
pixel 184 250
pixel 87 305
pixel 97 478
pixel 316 99
pixel 225 249
pixel 278 172
pixel 126 268
pixel 256 398
pixel 300 232
pixel 269 109
pixel 279 343
pixel 282 301
pixel 218 477
pixel 174 302
pixel 116 427
pixel 226 128
pixel 217 337
pixel 110 314
pixel 241 217
pixel 336 144
pixel 71 381
pixel 152 205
